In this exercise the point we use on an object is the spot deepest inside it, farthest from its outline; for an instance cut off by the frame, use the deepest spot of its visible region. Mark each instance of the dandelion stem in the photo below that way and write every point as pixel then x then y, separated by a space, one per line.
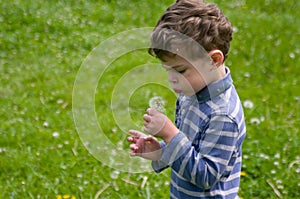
pixel 75 147
pixel 130 182
pixel 101 191
pixel 274 189
pixel 145 178
pixel 294 162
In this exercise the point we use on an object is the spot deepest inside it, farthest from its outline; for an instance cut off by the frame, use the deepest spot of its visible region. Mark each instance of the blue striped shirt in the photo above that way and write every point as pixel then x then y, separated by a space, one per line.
pixel 206 155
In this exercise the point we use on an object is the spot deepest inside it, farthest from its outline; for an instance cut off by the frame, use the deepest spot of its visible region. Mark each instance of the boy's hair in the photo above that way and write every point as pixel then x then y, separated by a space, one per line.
pixel 203 22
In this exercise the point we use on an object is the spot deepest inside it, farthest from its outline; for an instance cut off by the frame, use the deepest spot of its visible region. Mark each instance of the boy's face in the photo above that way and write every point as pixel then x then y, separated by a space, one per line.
pixel 185 77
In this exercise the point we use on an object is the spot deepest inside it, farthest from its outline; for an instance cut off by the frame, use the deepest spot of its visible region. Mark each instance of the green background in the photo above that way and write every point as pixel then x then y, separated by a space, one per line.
pixel 42 46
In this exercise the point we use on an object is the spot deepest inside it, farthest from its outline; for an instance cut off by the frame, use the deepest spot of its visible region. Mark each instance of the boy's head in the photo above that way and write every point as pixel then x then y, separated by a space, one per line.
pixel 202 22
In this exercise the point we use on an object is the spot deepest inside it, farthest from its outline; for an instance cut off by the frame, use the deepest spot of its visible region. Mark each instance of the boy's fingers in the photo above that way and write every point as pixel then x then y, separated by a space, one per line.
pixel 132 139
pixel 151 111
pixel 136 134
pixel 149 138
pixel 147 118
pixel 133 147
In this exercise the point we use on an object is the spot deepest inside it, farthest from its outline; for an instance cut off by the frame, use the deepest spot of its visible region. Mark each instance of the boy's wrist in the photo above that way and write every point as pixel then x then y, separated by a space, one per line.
pixel 170 131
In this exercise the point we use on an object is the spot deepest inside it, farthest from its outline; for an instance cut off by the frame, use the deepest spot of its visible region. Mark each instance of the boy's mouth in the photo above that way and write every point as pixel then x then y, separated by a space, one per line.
pixel 177 90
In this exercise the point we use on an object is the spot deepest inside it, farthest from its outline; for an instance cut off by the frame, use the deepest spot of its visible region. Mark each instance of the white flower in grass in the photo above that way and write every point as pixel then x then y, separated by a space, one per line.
pixel 255 120
pixel 55 134
pixel 114 174
pixel 46 124
pixel 157 103
pixel 248 104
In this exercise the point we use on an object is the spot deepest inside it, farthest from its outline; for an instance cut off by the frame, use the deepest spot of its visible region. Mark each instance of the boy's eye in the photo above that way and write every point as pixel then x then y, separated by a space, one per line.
pixel 181 70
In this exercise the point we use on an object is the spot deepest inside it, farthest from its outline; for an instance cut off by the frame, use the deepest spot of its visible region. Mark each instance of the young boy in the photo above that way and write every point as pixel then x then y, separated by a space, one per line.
pixel 203 149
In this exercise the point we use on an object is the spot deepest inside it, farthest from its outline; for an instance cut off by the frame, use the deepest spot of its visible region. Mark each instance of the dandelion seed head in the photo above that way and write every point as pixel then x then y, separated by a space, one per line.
pixel 55 134
pixel 247 75
pixel 157 103
pixel 248 104
pixel 59 101
pixel 2 150
pixel 114 174
pixel 292 55
pixel 85 182
pixel 273 172
pixel 280 187
pixel 114 129
pixel 46 124
pixel 254 121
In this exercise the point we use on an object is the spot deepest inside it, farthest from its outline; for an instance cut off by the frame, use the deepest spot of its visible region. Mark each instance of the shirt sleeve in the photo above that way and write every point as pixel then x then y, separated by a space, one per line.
pixel 167 154
pixel 210 157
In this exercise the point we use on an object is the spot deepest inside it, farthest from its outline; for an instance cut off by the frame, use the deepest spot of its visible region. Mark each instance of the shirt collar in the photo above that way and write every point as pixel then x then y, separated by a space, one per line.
pixel 216 88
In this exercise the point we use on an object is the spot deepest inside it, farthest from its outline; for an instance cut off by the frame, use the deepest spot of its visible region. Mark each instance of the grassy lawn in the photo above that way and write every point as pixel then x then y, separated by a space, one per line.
pixel 42 47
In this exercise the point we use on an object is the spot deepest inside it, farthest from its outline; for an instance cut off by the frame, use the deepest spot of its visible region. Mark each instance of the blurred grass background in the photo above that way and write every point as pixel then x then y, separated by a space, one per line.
pixel 42 45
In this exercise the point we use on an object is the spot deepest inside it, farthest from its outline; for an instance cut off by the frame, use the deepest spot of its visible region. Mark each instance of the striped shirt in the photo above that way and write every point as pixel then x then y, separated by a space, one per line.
pixel 206 155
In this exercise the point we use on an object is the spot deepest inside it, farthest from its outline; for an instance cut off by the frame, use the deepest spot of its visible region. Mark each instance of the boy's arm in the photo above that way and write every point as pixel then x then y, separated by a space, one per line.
pixel 213 159
pixel 158 165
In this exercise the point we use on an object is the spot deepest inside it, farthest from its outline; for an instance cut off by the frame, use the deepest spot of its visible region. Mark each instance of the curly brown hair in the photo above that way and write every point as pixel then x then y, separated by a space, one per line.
pixel 203 22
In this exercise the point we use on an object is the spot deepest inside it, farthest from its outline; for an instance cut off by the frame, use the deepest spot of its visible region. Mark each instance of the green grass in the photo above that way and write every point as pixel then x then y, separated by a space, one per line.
pixel 42 46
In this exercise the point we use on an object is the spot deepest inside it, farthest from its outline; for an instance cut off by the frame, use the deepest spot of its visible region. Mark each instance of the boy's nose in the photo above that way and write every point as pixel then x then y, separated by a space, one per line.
pixel 172 77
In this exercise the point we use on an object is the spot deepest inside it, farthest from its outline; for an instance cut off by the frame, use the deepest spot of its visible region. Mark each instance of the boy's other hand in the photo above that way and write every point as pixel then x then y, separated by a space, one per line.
pixel 144 146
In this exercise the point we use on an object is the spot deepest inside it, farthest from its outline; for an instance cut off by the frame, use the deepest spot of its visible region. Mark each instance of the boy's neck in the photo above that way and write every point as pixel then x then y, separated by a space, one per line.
pixel 220 73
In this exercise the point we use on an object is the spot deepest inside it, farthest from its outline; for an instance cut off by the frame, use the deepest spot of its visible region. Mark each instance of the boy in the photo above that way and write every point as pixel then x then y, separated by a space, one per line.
pixel 203 149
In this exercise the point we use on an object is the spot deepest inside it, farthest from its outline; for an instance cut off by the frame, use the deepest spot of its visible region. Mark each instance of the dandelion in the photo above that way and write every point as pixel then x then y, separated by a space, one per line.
pixel 55 134
pixel 66 196
pixel 243 173
pixel 157 103
pixel 2 150
pixel 255 121
pixel 59 101
pixel 247 75
pixel 273 171
pixel 248 104
pixel 114 129
pixel 292 55
pixel 114 174
pixel 46 124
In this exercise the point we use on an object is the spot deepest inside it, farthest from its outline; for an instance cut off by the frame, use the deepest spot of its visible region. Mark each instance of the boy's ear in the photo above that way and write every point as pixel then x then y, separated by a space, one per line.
pixel 217 57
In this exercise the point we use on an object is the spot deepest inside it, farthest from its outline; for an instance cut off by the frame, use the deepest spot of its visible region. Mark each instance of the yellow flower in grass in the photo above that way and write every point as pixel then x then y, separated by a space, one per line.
pixel 66 196
pixel 243 173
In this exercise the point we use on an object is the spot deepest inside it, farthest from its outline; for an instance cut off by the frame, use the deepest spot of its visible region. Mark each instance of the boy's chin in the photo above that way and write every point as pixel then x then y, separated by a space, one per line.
pixel 189 94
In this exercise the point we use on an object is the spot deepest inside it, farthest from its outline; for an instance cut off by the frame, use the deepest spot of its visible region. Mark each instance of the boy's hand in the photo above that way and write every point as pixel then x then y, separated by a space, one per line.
pixel 144 146
pixel 160 125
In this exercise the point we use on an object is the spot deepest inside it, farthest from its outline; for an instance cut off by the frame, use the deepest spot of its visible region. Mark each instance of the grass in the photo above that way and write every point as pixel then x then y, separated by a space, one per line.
pixel 42 46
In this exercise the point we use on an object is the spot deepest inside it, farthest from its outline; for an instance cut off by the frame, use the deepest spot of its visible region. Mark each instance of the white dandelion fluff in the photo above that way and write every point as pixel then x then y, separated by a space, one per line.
pixel 157 103
pixel 55 134
pixel 248 104
pixel 46 124
pixel 254 121
pixel 114 174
